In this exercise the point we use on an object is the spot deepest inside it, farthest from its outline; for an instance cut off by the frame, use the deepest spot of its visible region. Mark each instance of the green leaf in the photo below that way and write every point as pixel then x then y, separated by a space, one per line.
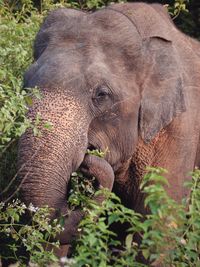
pixel 146 253
pixel 128 241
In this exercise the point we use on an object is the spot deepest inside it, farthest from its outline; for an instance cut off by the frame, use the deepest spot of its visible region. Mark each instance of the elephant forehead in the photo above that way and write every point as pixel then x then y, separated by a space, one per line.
pixel 90 27
pixel 95 47
pixel 87 32
pixel 75 71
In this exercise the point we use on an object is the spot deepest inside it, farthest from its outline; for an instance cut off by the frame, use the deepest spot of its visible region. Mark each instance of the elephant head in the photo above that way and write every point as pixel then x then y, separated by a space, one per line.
pixel 106 79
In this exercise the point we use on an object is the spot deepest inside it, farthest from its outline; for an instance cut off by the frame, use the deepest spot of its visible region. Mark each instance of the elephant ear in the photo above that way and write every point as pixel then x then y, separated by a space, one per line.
pixel 162 89
pixel 161 78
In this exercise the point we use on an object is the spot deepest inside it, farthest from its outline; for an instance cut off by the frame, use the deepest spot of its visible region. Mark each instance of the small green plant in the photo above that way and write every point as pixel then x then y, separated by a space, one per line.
pixel 83 188
pixel 178 7
pixel 171 236
pixel 24 238
pixel 97 152
pixel 98 244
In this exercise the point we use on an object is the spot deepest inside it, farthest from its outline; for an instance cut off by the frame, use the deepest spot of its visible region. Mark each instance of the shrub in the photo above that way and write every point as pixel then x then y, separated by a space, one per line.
pixel 25 239
pixel 170 233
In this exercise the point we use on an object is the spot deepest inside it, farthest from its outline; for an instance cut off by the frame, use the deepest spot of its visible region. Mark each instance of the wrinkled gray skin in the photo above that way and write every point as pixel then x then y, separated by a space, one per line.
pixel 122 78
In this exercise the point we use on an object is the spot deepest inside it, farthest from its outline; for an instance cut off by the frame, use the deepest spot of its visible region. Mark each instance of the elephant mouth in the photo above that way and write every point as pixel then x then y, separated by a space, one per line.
pixel 92 147
pixel 98 167
pixel 89 164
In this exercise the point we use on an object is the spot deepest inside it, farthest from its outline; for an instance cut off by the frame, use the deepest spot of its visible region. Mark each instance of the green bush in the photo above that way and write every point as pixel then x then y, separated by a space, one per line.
pixel 170 233
pixel 24 242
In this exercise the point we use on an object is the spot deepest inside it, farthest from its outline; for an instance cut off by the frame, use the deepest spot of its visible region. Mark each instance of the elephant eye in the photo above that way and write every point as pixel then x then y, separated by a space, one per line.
pixel 101 95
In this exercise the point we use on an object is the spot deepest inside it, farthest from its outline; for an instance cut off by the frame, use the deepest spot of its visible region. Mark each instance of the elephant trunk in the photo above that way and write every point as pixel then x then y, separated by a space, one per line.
pixel 46 175
pixel 46 162
pixel 45 165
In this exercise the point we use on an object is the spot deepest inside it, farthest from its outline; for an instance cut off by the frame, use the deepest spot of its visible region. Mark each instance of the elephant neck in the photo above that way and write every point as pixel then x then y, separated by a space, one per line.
pixel 145 155
pixel 128 178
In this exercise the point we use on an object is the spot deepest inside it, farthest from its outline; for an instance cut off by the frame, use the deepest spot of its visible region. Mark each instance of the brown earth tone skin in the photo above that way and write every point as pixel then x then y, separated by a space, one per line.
pixel 123 78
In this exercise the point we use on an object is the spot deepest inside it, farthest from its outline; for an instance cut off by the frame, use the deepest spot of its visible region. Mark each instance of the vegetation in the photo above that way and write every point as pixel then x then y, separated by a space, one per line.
pixel 22 240
pixel 170 235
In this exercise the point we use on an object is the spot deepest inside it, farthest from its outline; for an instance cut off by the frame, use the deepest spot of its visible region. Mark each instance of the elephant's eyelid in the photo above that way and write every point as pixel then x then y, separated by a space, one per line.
pixel 102 93
pixel 102 90
pixel 102 98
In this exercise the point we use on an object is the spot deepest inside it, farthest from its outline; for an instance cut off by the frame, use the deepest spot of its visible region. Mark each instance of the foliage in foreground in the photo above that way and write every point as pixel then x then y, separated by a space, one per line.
pixel 23 239
pixel 170 233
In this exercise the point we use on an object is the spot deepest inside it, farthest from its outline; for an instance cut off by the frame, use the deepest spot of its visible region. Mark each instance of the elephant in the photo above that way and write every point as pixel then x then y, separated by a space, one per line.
pixel 123 78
